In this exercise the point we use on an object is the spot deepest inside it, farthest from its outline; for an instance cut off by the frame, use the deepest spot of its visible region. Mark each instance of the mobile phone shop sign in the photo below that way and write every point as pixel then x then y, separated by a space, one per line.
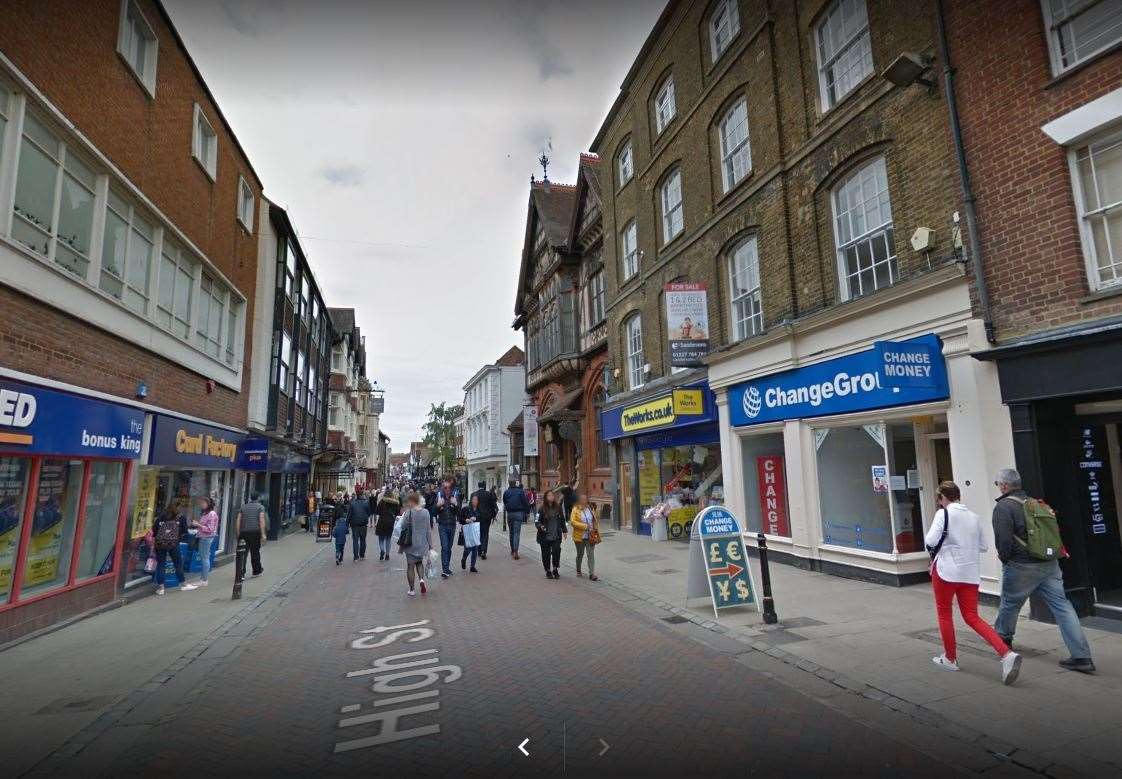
pixel 892 373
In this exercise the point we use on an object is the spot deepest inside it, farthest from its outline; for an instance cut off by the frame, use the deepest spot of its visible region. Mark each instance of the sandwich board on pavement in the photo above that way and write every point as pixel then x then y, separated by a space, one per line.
pixel 720 566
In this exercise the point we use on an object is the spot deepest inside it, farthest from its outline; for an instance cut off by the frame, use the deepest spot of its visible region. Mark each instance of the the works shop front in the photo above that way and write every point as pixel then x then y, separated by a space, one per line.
pixel 666 452
pixel 1064 393
pixel 66 461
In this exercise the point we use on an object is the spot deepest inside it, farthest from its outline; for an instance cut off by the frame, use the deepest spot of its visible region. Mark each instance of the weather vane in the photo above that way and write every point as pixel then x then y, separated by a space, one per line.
pixel 544 160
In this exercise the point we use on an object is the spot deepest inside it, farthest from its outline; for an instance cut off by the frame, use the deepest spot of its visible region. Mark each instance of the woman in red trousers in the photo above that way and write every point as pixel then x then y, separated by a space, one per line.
pixel 956 542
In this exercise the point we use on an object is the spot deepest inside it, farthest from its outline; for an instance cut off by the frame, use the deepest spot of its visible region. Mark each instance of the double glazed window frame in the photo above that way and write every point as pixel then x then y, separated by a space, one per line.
pixel 136 40
pixel 665 105
pixel 735 144
pixel 672 210
pixel 204 143
pixel 746 317
pixel 724 26
pixel 854 238
pixel 1060 16
pixel 625 164
pixel 113 200
pixel 629 251
pixel 846 60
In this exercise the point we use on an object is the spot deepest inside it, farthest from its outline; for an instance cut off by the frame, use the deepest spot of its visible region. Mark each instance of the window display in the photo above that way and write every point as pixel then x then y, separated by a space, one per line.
pixel 683 480
pixel 103 505
pixel 13 495
pixel 854 513
pixel 47 565
pixel 765 484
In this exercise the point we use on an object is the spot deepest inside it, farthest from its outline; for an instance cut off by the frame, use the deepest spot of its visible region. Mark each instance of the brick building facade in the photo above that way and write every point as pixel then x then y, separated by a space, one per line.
pixel 1041 111
pixel 765 153
pixel 128 260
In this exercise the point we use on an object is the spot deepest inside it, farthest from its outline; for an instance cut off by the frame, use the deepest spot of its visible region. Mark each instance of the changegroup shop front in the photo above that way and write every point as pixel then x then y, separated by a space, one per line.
pixel 186 461
pixel 838 461
pixel 65 463
pixel 667 451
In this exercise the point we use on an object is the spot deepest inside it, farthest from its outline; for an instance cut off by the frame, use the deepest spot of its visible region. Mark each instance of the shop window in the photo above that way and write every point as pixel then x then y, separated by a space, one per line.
pixel 689 478
pixel 904 481
pixel 47 562
pixel 765 484
pixel 141 519
pixel 103 504
pixel 855 509
pixel 13 496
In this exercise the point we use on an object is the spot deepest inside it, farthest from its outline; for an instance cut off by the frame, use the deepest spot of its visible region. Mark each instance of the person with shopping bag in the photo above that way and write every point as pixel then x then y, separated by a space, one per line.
pixel 470 518
pixel 586 534
pixel 415 541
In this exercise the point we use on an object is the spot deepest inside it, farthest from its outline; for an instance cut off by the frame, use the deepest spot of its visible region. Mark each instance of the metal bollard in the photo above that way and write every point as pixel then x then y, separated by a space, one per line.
pixel 239 569
pixel 770 617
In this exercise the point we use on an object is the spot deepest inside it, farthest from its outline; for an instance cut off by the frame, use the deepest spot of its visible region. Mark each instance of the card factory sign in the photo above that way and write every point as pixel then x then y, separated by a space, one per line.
pixel 181 442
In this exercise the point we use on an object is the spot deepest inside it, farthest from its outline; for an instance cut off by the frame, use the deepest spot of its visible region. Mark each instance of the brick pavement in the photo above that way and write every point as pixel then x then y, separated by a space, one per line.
pixel 554 661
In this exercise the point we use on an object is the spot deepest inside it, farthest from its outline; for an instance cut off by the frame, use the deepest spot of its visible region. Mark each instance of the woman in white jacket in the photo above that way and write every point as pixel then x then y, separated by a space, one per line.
pixel 956 542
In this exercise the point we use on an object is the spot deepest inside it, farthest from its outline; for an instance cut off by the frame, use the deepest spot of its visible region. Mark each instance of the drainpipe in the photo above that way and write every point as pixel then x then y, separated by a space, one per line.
pixel 964 176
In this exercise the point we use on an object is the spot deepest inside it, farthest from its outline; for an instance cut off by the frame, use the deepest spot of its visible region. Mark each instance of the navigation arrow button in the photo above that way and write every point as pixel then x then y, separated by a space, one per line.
pixel 605 749
pixel 522 747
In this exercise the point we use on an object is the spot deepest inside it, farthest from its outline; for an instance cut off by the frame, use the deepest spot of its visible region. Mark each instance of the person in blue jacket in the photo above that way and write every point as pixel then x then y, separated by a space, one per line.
pixel 341 530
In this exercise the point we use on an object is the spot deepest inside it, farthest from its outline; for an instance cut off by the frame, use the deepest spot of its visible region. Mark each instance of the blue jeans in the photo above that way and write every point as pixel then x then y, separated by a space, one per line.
pixel 358 540
pixel 384 544
pixel 514 522
pixel 1019 580
pixel 447 539
pixel 204 556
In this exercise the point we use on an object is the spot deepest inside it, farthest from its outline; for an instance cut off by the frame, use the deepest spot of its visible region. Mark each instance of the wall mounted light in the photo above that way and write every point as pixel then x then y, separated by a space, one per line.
pixel 908 69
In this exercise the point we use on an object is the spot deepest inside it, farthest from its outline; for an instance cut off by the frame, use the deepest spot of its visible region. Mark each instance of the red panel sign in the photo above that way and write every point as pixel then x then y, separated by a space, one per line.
pixel 773 495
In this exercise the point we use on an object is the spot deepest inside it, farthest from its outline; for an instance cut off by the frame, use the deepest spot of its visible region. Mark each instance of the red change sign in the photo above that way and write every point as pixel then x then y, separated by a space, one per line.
pixel 773 495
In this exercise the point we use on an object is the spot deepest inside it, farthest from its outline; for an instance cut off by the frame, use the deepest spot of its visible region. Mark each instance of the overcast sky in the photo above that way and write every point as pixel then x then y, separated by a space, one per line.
pixel 401 137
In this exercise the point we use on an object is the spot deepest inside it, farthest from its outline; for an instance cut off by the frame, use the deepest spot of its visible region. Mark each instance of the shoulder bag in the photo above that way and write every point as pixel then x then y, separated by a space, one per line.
pixel 406 538
pixel 934 550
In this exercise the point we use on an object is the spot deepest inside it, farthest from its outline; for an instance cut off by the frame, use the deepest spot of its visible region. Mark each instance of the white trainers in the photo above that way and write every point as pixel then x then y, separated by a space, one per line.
pixel 187 587
pixel 1010 667
pixel 944 663
pixel 203 583
pixel 160 590
pixel 412 593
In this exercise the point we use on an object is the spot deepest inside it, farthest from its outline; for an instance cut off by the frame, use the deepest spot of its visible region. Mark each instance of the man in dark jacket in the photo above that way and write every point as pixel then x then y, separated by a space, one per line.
pixel 517 507
pixel 447 511
pixel 488 510
pixel 358 517
pixel 568 498
pixel 1023 575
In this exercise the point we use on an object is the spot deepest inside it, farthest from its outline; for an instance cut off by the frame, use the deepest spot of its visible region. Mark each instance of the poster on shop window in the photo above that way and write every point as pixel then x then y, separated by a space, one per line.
pixel 13 477
pixel 687 322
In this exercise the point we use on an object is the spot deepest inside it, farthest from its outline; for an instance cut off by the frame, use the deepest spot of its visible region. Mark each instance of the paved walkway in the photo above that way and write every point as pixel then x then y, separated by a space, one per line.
pixel 879 640
pixel 57 684
pixel 346 675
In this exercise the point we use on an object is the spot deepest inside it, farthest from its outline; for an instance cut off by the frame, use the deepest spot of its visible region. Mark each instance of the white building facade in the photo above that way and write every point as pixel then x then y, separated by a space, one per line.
pixel 493 397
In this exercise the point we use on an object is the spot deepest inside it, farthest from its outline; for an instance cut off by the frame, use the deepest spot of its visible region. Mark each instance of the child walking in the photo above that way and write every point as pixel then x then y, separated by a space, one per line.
pixel 340 531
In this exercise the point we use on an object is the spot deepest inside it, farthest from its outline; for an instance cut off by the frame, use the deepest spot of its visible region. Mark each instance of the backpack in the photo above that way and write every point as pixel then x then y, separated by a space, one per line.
pixel 167 533
pixel 1043 530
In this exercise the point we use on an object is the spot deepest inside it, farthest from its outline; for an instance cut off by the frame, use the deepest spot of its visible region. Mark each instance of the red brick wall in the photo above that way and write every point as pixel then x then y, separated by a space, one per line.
pixel 69 51
pixel 20 621
pixel 1028 223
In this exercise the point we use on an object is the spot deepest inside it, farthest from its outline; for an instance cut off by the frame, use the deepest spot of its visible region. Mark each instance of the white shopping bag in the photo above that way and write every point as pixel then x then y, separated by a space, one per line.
pixel 471 535
pixel 396 531
pixel 432 566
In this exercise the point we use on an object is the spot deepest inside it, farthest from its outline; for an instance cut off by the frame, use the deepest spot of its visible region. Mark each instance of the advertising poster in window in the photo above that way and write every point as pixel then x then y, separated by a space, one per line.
pixel 144 514
pixel 46 533
pixel 530 431
pixel 687 322
pixel 13 474
pixel 649 484
pixel 773 495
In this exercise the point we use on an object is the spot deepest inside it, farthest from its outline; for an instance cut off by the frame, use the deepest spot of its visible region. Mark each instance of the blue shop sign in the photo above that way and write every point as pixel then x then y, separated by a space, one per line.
pixel 254 454
pixel 282 459
pixel 178 442
pixel 892 373
pixel 679 407
pixel 34 420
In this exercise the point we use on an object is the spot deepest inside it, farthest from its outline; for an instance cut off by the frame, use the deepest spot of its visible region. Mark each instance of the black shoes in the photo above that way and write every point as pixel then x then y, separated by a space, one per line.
pixel 482 555
pixel 552 574
pixel 463 564
pixel 1081 664
pixel 549 574
pixel 556 575
pixel 473 569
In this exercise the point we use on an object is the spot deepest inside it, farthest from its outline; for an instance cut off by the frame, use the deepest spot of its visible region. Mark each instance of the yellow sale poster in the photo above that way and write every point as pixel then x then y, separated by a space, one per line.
pixel 42 555
pixel 144 514
pixel 8 541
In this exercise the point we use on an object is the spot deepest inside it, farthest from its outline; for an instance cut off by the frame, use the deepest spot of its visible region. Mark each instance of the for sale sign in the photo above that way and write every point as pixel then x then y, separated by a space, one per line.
pixel 687 322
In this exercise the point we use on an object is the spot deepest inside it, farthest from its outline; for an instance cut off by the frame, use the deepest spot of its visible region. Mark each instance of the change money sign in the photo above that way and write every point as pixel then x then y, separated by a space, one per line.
pixel 726 564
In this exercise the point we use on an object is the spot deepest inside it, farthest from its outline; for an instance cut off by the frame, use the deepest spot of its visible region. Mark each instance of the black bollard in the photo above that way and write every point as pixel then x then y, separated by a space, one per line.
pixel 770 617
pixel 239 569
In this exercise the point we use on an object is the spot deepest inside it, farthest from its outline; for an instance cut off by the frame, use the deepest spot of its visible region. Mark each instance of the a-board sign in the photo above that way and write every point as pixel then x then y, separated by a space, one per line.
pixel 726 563
pixel 326 523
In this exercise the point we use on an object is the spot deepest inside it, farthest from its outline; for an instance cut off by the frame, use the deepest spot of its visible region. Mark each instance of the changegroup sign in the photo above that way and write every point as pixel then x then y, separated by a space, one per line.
pixel 893 373
pixel 687 322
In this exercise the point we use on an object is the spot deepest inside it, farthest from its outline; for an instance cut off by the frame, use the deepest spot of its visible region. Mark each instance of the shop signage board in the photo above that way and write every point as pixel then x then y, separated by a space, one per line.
pixel 893 373
pixel 254 454
pixel 34 420
pixel 326 523
pixel 530 431
pixel 719 567
pixel 687 321
pixel 674 408
pixel 179 442
pixel 773 495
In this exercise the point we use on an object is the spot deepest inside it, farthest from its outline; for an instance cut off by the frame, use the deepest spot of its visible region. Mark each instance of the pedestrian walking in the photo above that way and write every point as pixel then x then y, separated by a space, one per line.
pixel 551 530
pixel 358 517
pixel 415 542
pixel 312 513
pixel 1028 568
pixel 170 527
pixel 586 534
pixel 488 510
pixel 516 506
pixel 206 532
pixel 955 543
pixel 387 511
pixel 250 527
pixel 447 505
pixel 469 532
pixel 567 494
pixel 340 533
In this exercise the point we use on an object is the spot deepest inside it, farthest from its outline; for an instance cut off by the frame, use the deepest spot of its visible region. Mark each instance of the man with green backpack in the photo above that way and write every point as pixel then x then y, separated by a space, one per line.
pixel 1027 536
